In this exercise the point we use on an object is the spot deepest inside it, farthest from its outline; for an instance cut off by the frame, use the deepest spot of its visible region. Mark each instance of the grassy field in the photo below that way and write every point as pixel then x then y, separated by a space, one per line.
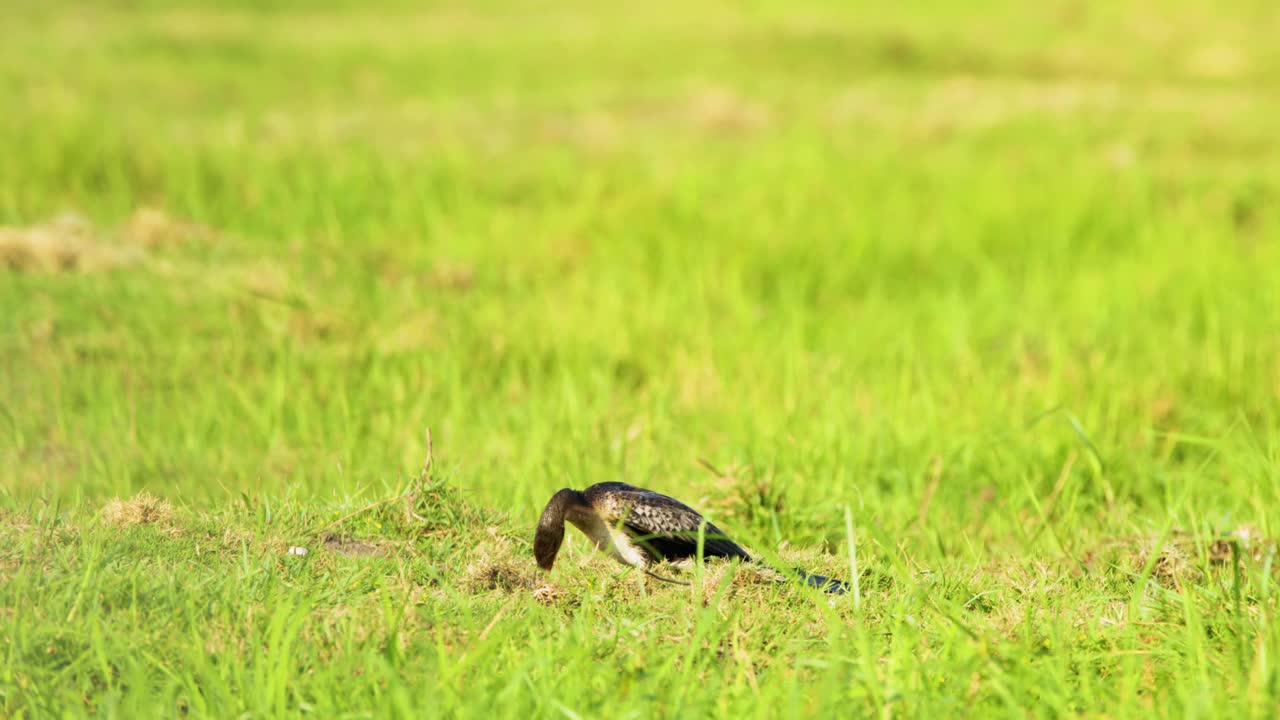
pixel 976 304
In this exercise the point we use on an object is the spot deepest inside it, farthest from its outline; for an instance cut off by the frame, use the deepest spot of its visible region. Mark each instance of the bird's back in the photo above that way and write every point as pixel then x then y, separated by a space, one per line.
pixel 663 524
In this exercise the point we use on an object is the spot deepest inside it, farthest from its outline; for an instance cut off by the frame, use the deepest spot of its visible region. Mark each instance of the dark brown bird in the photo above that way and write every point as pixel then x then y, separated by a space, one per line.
pixel 639 527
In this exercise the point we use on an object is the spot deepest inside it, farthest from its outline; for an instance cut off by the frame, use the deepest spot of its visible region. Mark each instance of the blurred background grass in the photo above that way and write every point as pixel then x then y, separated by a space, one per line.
pixel 841 248
pixel 997 277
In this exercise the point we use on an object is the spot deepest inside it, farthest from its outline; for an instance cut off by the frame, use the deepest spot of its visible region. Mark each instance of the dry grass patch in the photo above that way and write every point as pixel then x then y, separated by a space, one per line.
pixel 152 228
pixel 1182 557
pixel 496 566
pixel 70 243
pixel 451 276
pixel 549 594
pixel 142 509
pixel 499 574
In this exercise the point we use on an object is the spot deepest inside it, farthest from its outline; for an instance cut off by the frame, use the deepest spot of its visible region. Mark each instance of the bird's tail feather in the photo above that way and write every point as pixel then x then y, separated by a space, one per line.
pixel 831 585
pixel 822 582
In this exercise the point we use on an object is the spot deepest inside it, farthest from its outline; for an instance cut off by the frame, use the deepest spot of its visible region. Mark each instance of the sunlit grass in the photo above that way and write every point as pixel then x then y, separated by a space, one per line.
pixel 1005 301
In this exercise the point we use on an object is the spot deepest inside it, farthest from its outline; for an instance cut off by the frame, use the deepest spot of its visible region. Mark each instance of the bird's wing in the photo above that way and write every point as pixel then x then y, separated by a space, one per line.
pixel 661 524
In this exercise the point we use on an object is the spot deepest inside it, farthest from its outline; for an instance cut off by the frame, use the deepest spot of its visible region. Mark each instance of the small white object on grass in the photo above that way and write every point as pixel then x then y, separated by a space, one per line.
pixel 297 551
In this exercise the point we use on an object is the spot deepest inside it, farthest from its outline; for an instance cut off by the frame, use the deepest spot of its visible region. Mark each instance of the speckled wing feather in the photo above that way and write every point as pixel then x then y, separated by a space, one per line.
pixel 662 525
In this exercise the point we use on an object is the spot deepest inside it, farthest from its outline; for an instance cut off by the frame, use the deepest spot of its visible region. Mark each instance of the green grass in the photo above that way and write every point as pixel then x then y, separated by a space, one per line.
pixel 993 285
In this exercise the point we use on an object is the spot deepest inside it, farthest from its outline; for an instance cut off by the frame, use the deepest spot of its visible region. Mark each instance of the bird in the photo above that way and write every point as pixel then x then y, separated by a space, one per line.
pixel 639 527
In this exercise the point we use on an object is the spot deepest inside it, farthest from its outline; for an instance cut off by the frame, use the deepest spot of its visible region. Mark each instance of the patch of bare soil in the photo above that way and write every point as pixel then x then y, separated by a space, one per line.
pixel 349 547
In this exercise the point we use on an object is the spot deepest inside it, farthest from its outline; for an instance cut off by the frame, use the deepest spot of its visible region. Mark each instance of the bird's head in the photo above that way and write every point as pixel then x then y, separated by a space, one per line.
pixel 546 545
pixel 550 534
